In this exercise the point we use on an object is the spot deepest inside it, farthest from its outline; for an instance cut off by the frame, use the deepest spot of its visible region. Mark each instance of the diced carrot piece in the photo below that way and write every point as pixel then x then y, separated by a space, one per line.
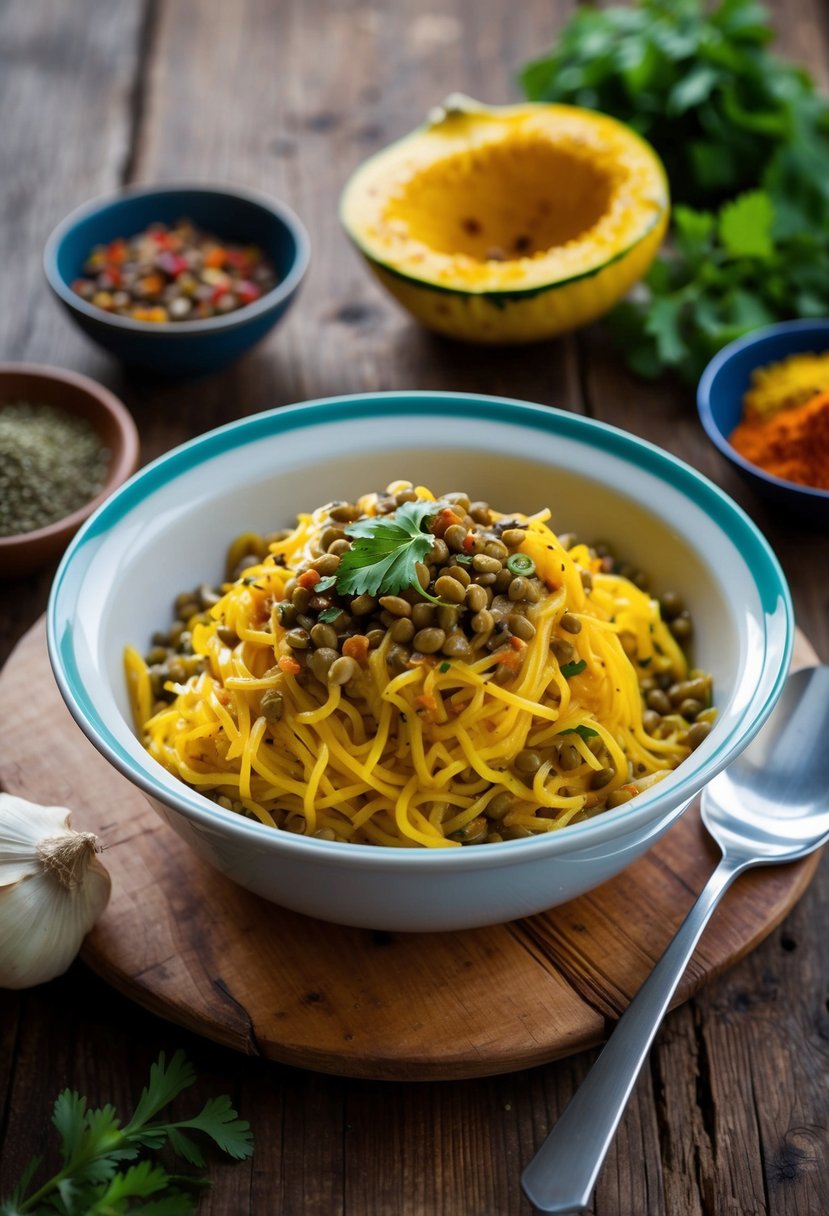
pixel 444 520
pixel 289 665
pixel 309 579
pixel 356 648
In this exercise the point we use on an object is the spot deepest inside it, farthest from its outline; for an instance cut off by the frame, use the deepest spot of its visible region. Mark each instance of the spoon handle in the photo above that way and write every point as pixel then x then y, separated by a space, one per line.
pixel 561 1176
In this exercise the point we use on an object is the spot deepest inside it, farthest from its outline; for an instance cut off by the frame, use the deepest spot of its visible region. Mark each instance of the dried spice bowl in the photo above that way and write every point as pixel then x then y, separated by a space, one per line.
pixel 720 404
pixel 189 347
pixel 43 406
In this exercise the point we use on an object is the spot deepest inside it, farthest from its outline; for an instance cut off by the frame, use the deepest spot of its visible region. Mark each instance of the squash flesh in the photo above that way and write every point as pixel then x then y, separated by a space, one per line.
pixel 504 201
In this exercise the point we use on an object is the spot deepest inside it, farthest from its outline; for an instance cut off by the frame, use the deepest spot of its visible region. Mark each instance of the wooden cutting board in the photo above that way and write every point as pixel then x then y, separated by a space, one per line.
pixel 186 943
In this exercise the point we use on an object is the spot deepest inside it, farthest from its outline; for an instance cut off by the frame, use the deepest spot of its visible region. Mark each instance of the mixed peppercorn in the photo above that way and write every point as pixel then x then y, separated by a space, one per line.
pixel 176 273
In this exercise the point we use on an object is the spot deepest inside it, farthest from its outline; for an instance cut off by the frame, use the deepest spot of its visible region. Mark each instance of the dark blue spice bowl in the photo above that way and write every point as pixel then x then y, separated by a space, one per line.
pixel 181 348
pixel 720 405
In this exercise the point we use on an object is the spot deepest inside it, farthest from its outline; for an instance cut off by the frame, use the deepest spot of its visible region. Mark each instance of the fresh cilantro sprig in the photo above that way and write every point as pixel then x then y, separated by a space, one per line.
pixel 743 134
pixel 698 82
pixel 385 551
pixel 101 1174
pixel 726 273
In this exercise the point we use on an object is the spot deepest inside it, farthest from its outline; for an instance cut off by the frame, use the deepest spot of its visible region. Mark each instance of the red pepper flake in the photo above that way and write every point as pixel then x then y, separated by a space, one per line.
pixel 469 542
pixel 116 252
pixel 247 292
pixel 288 665
pixel 427 700
pixel 173 264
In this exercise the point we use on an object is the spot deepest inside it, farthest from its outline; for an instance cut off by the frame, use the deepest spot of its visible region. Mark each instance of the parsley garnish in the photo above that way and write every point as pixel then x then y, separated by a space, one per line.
pixel 385 551
pixel 584 732
pixel 94 1147
pixel 324 583
pixel 444 667
pixel 698 81
pixel 744 136
pixel 573 669
pixel 329 615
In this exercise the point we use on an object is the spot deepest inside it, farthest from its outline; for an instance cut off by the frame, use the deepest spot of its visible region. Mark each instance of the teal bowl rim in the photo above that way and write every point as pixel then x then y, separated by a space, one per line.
pixel 773 592
pixel 758 338
pixel 237 319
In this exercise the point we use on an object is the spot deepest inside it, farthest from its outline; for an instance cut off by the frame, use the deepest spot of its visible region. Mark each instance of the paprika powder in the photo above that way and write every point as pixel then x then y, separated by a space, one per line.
pixel 792 444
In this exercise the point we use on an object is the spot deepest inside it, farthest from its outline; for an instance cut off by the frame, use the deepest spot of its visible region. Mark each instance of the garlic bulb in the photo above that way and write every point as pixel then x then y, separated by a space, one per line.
pixel 52 890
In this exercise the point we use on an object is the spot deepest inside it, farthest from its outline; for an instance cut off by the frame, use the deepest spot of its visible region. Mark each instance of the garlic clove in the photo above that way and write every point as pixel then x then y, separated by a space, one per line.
pixel 52 890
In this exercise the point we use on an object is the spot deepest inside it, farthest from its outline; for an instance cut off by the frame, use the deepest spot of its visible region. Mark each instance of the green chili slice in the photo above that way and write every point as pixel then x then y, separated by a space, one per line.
pixel 520 563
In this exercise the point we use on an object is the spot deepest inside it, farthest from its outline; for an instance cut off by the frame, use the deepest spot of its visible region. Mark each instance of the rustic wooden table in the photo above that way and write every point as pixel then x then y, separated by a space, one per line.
pixel 731 1116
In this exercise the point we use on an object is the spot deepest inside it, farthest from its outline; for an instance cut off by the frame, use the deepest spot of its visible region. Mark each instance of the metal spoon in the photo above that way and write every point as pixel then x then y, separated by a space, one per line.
pixel 771 805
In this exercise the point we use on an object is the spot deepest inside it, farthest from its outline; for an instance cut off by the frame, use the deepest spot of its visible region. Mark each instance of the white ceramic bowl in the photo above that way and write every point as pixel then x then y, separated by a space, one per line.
pixel 169 527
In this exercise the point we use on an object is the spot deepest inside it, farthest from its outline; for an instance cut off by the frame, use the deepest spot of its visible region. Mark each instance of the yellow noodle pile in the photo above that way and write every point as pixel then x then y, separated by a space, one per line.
pixel 414 759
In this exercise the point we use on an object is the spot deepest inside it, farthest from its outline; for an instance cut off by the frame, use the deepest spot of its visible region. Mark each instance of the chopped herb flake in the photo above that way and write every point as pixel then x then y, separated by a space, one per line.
pixel 584 732
pixel 573 669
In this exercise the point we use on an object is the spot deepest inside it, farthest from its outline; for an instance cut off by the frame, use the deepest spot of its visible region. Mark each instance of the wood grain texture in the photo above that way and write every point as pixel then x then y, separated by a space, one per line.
pixel 193 947
pixel 731 1116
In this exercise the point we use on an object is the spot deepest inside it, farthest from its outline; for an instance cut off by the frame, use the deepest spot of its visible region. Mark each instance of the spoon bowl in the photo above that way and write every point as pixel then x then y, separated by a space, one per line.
pixel 770 806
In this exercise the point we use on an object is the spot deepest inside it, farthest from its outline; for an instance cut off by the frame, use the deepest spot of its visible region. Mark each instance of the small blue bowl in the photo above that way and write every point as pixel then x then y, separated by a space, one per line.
pixel 720 405
pixel 181 347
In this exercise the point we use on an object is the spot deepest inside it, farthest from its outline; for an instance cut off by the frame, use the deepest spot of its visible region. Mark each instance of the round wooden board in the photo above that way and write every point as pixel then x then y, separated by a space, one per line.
pixel 186 943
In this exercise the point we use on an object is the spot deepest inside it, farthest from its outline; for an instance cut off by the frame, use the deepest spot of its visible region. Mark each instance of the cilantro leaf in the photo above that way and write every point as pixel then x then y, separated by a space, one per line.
pixel 329 615
pixel 698 81
pixel 744 136
pixel 166 1083
pixel 385 550
pixel 94 1145
pixel 139 1180
pixel 219 1120
pixel 745 226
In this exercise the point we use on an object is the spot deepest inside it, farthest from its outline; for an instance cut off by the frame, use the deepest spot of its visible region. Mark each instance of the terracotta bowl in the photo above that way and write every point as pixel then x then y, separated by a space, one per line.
pixel 75 394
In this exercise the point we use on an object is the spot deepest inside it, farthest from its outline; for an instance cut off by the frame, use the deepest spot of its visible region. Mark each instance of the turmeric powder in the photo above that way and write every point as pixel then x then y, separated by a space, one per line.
pixel 792 444
pixel 785 384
